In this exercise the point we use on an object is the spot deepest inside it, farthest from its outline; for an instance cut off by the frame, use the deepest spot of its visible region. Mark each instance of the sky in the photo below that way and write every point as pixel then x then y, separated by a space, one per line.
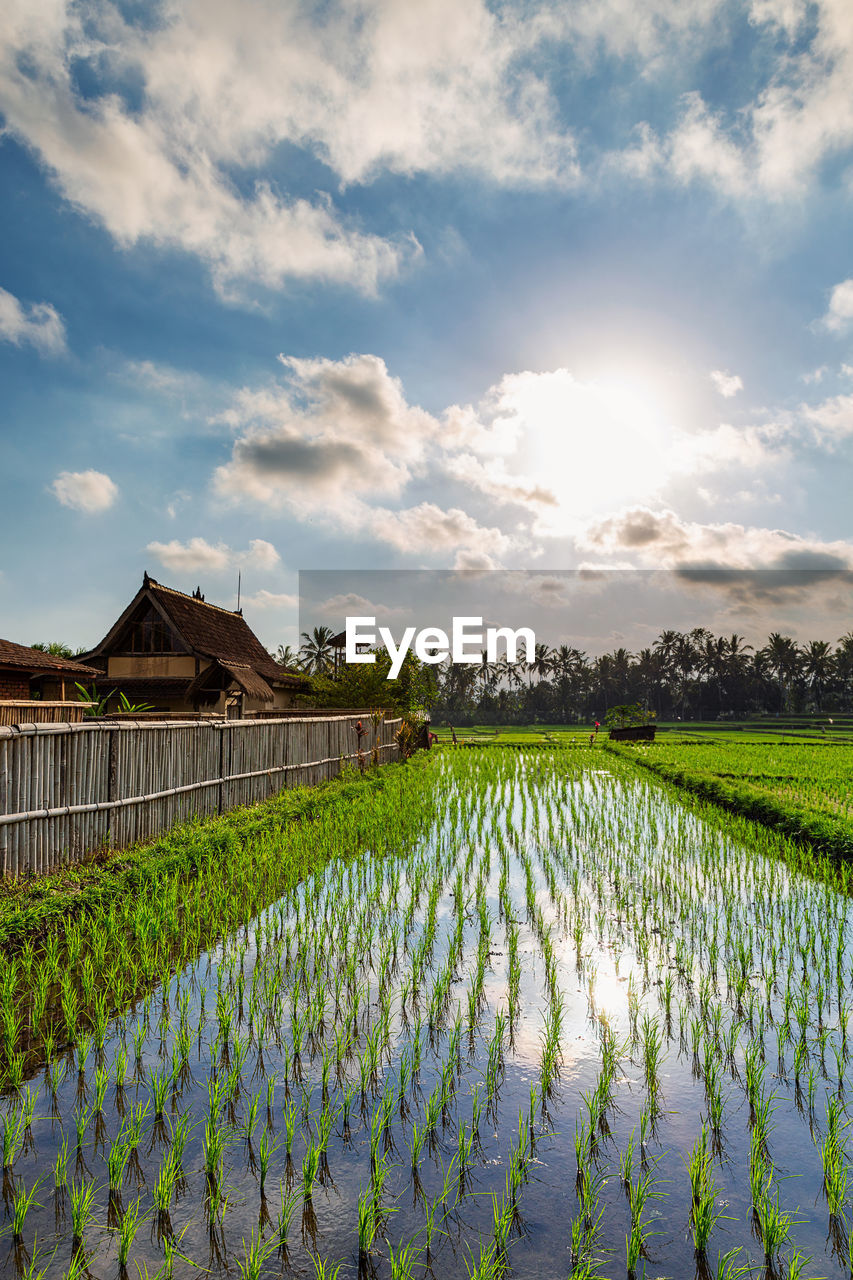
pixel 374 285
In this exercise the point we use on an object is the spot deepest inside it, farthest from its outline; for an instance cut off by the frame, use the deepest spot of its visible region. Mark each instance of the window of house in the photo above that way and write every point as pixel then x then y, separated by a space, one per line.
pixel 150 634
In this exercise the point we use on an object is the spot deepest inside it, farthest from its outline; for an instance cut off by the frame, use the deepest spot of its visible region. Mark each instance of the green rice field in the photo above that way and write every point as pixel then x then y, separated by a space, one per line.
pixel 522 1013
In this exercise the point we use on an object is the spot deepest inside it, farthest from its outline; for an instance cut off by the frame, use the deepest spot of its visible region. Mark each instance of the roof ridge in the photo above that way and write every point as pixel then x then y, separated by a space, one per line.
pixel 160 586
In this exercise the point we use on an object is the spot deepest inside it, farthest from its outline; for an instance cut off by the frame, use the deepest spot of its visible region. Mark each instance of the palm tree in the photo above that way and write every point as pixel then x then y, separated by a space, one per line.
pixel 316 651
pixel 57 649
pixel 287 657
pixel 713 654
pixel 543 661
pixel 818 663
pixel 488 671
pixel 684 657
pixel 784 659
pixel 736 668
pixel 844 659
pixel 651 670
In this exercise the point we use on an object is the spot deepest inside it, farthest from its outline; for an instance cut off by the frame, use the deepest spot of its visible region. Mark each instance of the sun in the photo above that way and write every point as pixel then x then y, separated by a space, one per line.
pixel 594 444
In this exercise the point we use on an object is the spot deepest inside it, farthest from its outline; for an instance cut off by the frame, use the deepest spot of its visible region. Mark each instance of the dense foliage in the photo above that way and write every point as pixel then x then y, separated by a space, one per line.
pixel 681 676
pixel 367 685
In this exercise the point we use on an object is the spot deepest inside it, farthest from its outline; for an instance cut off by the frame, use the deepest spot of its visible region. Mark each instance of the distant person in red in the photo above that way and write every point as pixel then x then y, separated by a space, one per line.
pixel 592 735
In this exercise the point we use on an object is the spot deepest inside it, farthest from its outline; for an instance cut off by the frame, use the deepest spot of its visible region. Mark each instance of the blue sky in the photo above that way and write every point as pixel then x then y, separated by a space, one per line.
pixel 449 285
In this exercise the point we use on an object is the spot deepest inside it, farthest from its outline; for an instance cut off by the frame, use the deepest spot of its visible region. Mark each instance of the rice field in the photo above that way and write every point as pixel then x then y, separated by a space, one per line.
pixel 529 1016
pixel 817 777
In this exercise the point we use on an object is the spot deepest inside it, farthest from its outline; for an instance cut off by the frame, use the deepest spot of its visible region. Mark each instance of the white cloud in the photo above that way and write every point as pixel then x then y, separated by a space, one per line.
pixel 163 378
pixel 271 600
pixel 383 86
pixel 754 448
pixel 662 539
pixel 699 148
pixel 831 421
pixel 198 554
pixel 39 325
pixel 840 310
pixel 337 442
pixel 728 384
pixel 89 491
pixel 427 528
pixel 795 115
pixel 337 431
pixel 351 604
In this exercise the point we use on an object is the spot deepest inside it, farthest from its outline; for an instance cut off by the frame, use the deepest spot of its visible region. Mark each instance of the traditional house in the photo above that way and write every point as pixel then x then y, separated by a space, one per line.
pixel 39 686
pixel 33 673
pixel 179 653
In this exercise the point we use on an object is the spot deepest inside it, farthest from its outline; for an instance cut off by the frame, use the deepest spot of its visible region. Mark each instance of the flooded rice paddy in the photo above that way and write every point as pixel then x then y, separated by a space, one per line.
pixel 533 1016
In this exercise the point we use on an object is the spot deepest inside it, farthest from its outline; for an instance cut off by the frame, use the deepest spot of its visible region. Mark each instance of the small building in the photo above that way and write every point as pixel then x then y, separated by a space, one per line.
pixel 178 653
pixel 36 686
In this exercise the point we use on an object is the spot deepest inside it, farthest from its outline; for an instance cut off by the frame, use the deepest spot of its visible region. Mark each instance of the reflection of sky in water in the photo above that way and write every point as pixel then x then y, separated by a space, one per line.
pixel 632 888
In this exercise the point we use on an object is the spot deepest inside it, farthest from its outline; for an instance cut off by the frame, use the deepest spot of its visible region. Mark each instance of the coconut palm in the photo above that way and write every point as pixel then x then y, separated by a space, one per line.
pixel 57 649
pixel 818 664
pixel 488 671
pixel 543 661
pixel 287 657
pixel 316 653
pixel 784 659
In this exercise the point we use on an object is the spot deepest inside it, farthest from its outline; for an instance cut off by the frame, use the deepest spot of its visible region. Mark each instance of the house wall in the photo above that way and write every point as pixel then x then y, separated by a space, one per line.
pixel 53 689
pixel 151 665
pixel 14 684
pixel 282 698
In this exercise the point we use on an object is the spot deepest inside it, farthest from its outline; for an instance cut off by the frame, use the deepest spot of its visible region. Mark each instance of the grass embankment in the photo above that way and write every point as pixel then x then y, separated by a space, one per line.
pixel 800 789
pixel 33 906
pixel 756 730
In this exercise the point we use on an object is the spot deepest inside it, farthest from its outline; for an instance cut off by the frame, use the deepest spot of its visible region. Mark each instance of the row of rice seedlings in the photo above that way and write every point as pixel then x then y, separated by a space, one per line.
pixel 308 974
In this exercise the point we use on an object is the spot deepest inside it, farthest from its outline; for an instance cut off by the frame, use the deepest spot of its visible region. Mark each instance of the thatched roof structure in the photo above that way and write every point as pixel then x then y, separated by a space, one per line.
pixel 228 651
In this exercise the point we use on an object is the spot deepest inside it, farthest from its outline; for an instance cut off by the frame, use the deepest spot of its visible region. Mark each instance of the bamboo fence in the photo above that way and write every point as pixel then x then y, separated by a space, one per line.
pixel 67 790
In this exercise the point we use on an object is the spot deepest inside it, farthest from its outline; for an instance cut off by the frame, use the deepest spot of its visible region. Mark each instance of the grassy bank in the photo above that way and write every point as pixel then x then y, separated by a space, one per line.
pixel 33 906
pixel 801 790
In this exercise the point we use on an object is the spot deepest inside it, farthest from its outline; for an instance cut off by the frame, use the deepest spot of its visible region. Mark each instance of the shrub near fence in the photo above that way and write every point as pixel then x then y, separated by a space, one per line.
pixel 68 790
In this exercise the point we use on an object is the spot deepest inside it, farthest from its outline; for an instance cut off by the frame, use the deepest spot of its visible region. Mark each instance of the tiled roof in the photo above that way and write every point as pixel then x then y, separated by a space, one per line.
pixel 26 659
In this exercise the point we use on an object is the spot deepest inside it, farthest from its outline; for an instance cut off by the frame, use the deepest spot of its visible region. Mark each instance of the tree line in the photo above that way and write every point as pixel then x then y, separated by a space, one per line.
pixel 682 675
pixel 687 675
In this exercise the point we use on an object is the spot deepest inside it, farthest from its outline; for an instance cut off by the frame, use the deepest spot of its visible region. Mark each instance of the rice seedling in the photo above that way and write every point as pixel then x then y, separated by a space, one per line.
pixel 774 1223
pixel 255 1254
pixel 12 1137
pixel 159 1085
pixel 586 863
pixel 704 1213
pixel 22 1202
pixel 266 1150
pixel 117 1159
pixel 310 1167
pixel 60 1167
pixel 82 1212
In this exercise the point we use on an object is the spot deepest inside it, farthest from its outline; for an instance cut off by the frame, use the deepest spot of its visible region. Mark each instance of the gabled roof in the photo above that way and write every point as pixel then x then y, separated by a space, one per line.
pixel 36 661
pixel 244 676
pixel 206 629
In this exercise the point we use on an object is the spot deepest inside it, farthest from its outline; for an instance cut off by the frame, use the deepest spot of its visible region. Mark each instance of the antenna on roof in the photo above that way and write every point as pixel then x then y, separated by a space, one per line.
pixel 239 576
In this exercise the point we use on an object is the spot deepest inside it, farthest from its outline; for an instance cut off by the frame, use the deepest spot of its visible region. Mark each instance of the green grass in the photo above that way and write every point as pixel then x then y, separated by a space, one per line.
pixel 802 789
pixel 32 907
pixel 503 735
pixel 758 730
